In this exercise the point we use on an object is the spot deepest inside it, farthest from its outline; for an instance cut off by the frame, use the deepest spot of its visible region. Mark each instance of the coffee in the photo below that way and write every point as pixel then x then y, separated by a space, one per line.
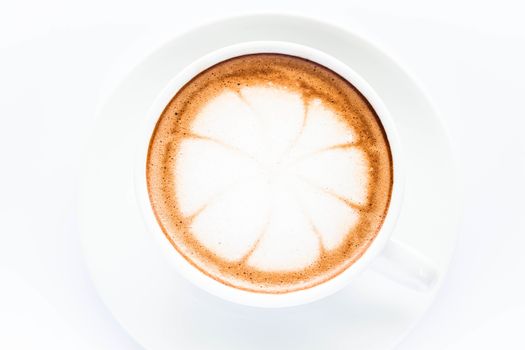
pixel 269 173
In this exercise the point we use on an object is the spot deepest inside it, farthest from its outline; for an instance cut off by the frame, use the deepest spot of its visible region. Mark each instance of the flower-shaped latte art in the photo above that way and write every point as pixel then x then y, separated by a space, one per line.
pixel 270 179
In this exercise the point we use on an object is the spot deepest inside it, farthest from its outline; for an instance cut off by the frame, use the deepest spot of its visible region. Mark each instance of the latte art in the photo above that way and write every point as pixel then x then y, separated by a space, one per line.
pixel 276 163
pixel 269 173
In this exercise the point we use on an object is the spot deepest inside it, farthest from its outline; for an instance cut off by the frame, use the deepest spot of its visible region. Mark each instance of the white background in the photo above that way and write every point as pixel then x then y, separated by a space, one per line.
pixel 59 58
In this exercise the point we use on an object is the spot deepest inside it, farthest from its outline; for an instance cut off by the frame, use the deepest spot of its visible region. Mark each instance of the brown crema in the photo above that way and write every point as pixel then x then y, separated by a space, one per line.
pixel 311 81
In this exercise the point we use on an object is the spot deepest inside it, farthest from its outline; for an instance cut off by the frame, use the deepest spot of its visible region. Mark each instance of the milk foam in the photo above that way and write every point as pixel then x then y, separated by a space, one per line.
pixel 270 179
pixel 269 173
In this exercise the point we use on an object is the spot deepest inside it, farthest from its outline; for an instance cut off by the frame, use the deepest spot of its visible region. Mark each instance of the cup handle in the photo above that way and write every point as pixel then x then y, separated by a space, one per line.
pixel 406 266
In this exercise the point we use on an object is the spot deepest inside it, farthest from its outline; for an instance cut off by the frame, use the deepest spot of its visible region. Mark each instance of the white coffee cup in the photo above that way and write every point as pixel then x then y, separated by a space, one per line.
pixel 393 259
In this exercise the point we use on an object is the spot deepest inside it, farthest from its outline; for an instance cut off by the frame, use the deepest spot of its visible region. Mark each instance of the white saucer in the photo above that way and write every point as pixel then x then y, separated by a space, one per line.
pixel 161 310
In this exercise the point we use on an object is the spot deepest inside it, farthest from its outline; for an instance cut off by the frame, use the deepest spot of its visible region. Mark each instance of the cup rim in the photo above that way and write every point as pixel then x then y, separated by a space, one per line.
pixel 213 286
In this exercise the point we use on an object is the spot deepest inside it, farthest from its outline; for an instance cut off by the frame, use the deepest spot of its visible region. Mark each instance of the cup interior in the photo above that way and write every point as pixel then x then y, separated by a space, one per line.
pixel 180 264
